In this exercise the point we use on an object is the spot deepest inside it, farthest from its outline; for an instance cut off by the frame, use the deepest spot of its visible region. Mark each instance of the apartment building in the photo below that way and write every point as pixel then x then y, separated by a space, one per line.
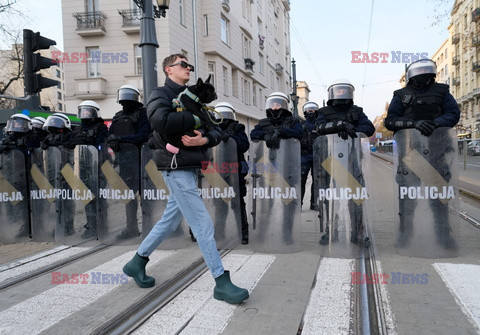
pixel 11 66
pixel 464 32
pixel 444 62
pixel 243 44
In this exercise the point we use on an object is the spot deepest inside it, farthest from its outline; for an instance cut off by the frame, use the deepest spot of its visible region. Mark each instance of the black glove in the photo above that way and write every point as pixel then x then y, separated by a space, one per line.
pixel 6 141
pixel 113 141
pixel 343 134
pixel 273 142
pixel 225 137
pixel 426 127
pixel 350 129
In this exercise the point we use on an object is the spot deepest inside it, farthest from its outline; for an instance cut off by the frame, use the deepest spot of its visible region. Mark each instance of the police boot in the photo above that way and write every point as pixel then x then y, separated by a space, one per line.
pixel 243 214
pixel 405 230
pixel 136 269
pixel 444 238
pixel 324 240
pixel 131 230
pixel 90 229
pixel 228 292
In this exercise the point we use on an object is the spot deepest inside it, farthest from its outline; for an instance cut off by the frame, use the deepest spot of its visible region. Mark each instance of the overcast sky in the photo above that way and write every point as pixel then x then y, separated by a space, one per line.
pixel 323 35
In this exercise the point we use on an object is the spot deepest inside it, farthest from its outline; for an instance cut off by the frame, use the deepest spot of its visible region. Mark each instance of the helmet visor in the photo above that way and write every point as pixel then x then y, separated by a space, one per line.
pixel 227 115
pixel 55 122
pixel 276 103
pixel 340 91
pixel 421 66
pixel 87 112
pixel 18 125
pixel 128 94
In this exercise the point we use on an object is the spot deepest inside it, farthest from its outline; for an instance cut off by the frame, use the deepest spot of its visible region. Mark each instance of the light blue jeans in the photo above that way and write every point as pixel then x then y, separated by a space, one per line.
pixel 184 201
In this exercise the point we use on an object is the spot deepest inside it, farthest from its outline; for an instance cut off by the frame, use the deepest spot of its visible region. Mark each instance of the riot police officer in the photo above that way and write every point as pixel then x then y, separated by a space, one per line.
pixel 342 117
pixel 92 131
pixel 37 127
pixel 425 105
pixel 231 128
pixel 310 111
pixel 279 123
pixel 130 125
pixel 19 135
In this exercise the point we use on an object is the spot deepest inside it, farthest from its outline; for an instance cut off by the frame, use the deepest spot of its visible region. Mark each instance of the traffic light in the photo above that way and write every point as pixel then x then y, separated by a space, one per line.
pixel 33 62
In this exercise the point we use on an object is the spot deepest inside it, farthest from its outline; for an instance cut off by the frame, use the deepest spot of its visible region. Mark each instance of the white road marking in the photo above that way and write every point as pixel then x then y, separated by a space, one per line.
pixel 462 281
pixel 40 312
pixel 328 310
pixel 37 261
pixel 28 259
pixel 196 308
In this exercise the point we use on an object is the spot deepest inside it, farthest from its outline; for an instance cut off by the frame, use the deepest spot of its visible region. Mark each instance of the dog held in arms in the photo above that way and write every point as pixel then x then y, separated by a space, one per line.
pixel 193 99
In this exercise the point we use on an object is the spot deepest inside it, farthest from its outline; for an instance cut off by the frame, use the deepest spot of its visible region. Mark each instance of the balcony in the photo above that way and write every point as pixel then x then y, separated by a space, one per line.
pixel 249 65
pixel 90 88
pixel 476 41
pixel 90 23
pixel 476 92
pixel 278 68
pixel 476 14
pixel 456 60
pixel 226 5
pixel 456 81
pixel 131 20
pixel 261 41
pixel 476 66
pixel 456 38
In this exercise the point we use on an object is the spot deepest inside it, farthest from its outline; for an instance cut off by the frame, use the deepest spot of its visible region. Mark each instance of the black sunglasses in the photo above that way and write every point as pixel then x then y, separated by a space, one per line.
pixel 185 65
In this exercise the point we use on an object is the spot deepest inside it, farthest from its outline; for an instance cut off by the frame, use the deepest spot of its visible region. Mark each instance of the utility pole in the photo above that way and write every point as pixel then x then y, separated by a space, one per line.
pixel 294 93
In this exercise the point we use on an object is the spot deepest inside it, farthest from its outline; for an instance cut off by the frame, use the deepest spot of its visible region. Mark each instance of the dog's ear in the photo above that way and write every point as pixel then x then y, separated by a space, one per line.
pixel 208 79
pixel 199 83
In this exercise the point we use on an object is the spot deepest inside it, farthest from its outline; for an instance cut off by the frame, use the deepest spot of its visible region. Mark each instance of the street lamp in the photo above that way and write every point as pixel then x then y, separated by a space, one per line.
pixel 148 42
pixel 293 95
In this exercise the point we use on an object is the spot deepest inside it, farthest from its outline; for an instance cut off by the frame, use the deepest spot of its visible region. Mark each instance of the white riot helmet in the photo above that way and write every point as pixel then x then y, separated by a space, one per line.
pixel 88 110
pixel 18 123
pixel 57 121
pixel 38 122
pixel 226 110
pixel 128 93
pixel 421 66
pixel 310 106
pixel 340 89
pixel 276 103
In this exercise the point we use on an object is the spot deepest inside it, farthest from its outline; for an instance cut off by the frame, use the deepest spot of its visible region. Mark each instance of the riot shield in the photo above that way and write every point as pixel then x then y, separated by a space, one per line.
pixel 78 191
pixel 426 172
pixel 154 200
pixel 44 200
pixel 275 197
pixel 14 204
pixel 341 169
pixel 220 190
pixel 119 184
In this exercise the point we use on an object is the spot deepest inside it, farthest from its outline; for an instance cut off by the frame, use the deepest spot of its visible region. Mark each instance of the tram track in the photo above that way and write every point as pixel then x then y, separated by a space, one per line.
pixel 48 268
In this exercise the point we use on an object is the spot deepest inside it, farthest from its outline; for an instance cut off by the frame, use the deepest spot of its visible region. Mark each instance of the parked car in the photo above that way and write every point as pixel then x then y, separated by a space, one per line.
pixel 473 148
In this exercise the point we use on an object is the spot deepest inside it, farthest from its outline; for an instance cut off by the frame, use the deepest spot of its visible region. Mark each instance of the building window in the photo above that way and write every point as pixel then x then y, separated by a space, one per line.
pixel 245 91
pixel 137 54
pixel 260 96
pixel 246 46
pixel 225 80
pixel 91 6
pixel 182 12
pixel 260 63
pixel 211 72
pixel 247 10
pixel 60 106
pixel 254 95
pixel 225 30
pixel 205 22
pixel 58 73
pixel 93 62
pixel 59 95
pixel 235 83
pixel 272 80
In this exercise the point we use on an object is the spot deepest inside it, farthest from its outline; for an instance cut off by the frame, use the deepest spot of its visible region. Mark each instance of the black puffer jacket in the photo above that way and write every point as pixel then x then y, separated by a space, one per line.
pixel 165 121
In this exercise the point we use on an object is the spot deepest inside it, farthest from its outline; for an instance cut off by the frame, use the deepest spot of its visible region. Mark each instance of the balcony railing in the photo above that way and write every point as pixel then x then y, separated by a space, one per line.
pixel 476 66
pixel 456 60
pixel 261 41
pixel 131 20
pixel 249 64
pixel 226 5
pixel 476 41
pixel 90 23
pixel 456 38
pixel 476 14
pixel 90 88
pixel 278 68
pixel 456 81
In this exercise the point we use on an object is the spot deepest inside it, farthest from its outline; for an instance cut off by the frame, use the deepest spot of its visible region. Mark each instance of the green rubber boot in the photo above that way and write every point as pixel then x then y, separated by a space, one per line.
pixel 226 291
pixel 136 269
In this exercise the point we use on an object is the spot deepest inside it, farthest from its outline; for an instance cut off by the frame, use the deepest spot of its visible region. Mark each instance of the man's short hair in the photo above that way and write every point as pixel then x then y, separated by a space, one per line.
pixel 169 61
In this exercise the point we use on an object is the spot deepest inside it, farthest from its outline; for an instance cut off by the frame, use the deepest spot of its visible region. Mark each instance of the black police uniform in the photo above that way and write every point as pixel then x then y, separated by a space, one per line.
pixel 425 108
pixel 91 132
pixel 234 129
pixel 130 125
pixel 306 160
